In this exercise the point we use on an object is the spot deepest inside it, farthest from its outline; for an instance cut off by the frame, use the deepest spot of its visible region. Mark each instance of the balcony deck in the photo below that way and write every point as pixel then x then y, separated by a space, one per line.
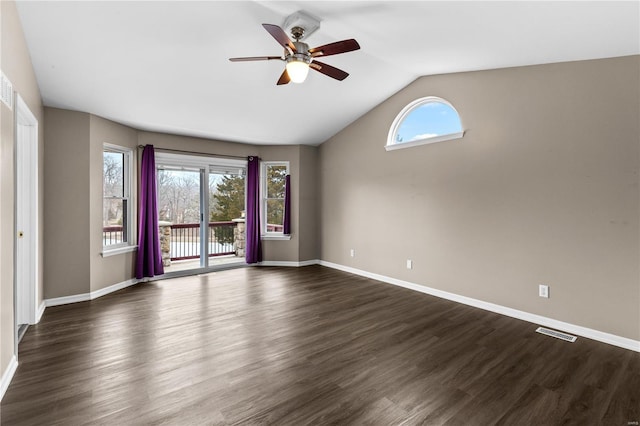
pixel 184 265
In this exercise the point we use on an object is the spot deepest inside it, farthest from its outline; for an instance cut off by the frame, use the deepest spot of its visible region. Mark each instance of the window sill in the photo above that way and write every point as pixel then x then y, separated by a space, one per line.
pixel 276 237
pixel 442 138
pixel 118 250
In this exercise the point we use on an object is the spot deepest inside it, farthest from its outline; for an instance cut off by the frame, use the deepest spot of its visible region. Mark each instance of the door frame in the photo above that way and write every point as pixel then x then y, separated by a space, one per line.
pixel 203 164
pixel 26 175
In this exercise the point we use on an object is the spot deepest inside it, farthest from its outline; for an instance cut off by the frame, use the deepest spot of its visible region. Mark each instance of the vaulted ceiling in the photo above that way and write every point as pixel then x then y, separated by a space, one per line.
pixel 163 66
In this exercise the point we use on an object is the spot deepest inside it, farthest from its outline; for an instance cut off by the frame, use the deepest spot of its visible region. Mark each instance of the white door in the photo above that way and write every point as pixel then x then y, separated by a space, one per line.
pixel 26 291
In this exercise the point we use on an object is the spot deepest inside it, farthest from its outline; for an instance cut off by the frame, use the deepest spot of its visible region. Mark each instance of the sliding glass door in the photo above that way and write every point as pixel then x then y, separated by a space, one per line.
pixel 179 215
pixel 201 211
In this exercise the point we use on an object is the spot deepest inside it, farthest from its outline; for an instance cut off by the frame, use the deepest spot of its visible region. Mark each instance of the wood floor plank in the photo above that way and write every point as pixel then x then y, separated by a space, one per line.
pixel 296 346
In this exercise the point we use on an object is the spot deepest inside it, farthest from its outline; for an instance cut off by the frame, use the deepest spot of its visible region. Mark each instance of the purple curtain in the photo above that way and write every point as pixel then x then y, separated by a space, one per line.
pixel 254 249
pixel 149 260
pixel 287 206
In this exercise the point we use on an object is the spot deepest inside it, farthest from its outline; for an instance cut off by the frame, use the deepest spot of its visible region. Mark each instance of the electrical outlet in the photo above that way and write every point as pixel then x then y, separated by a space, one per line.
pixel 353 253
pixel 409 264
pixel 543 290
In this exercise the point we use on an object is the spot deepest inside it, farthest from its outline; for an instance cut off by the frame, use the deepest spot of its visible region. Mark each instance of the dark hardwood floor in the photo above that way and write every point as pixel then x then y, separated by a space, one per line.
pixel 295 346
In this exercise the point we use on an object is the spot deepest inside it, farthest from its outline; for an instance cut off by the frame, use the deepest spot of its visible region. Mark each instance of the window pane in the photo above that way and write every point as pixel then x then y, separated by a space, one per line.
pixel 275 181
pixel 179 196
pixel 226 202
pixel 275 215
pixel 428 120
pixel 226 197
pixel 114 221
pixel 113 174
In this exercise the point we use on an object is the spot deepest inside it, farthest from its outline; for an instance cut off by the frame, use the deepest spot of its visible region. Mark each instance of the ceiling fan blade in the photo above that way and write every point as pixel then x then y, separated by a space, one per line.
pixel 332 72
pixel 335 48
pixel 284 78
pixel 254 58
pixel 280 36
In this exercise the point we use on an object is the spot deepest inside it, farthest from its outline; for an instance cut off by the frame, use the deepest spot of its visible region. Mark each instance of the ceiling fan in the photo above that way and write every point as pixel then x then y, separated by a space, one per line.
pixel 300 58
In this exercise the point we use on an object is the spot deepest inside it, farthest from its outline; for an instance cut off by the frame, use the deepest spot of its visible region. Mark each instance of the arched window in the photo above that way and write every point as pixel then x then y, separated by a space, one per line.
pixel 423 121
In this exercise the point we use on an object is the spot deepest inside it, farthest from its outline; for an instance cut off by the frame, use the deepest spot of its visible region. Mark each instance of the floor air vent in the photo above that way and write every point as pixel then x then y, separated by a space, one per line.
pixel 557 334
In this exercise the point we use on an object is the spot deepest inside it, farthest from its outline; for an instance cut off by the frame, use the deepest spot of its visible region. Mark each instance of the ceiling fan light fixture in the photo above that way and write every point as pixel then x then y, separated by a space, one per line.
pixel 299 57
pixel 297 70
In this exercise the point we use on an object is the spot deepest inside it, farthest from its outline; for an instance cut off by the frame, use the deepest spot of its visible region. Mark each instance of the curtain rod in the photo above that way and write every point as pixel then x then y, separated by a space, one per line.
pixel 197 153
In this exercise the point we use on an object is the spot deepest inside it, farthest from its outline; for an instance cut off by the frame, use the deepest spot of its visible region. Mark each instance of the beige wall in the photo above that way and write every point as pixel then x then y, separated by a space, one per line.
pixel 67 263
pixel 309 205
pixel 16 65
pixel 542 189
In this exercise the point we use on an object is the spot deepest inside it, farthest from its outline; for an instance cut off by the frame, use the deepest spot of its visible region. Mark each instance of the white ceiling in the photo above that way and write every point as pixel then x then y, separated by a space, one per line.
pixel 164 66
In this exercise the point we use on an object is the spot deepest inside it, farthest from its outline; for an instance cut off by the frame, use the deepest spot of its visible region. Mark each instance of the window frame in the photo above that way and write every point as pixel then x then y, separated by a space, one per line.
pixel 128 195
pixel 263 201
pixel 392 144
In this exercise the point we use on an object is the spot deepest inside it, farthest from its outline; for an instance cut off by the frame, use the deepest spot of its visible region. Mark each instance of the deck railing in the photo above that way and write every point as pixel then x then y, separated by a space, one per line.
pixel 111 235
pixel 274 228
pixel 185 239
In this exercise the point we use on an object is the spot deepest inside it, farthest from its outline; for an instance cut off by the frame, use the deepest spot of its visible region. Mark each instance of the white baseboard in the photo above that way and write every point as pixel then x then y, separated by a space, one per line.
pixel 90 296
pixel 7 375
pixel 64 300
pixel 112 288
pixel 600 336
pixel 289 263
pixel 41 308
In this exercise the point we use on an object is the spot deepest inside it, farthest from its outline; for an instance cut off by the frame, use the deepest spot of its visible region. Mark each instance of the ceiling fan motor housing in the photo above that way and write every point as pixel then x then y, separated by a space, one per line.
pixel 301 53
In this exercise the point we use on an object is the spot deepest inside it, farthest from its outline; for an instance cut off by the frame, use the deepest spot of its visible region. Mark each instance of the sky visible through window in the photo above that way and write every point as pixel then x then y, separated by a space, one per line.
pixel 214 178
pixel 429 120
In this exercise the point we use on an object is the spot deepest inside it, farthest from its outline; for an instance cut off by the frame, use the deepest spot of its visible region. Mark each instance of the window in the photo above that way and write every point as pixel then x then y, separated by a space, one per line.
pixel 423 121
pixel 272 190
pixel 116 204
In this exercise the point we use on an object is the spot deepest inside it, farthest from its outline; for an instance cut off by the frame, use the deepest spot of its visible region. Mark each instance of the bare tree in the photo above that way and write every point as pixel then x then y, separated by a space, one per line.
pixel 178 196
pixel 113 186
